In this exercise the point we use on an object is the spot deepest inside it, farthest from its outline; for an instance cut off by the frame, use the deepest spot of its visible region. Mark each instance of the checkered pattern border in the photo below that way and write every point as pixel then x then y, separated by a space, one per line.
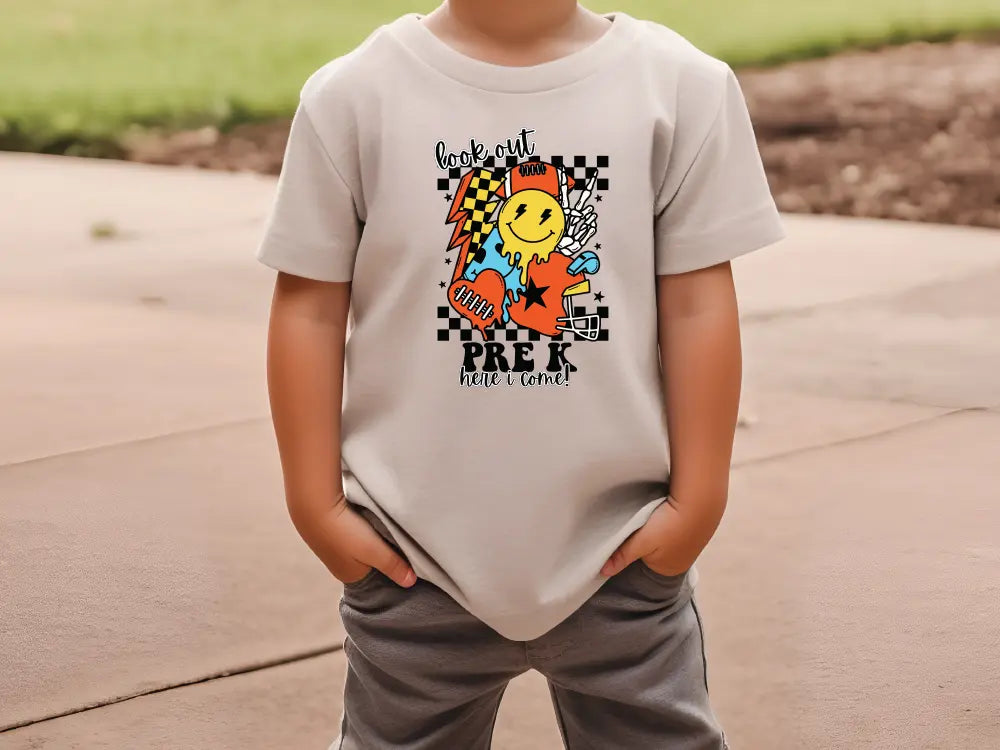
pixel 452 325
pixel 578 167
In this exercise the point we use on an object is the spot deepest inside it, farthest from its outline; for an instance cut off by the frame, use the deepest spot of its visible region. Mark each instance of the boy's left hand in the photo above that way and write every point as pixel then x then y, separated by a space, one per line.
pixel 668 543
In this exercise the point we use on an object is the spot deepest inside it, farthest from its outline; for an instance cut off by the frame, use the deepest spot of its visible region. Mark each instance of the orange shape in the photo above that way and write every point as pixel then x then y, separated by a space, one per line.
pixel 540 302
pixel 480 301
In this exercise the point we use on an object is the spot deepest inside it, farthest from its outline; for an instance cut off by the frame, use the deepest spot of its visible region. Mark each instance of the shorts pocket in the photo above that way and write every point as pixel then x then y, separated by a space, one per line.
pixel 364 580
pixel 676 578
pixel 648 589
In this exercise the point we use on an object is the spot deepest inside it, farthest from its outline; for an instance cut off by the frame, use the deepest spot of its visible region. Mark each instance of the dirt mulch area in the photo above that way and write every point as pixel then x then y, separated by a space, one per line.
pixel 910 132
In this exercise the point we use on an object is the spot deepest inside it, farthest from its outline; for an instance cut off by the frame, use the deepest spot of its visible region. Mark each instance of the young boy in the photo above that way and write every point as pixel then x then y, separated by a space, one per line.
pixel 526 214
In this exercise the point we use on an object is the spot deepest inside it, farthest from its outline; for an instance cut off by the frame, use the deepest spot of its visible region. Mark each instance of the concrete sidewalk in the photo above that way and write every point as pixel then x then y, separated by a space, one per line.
pixel 154 595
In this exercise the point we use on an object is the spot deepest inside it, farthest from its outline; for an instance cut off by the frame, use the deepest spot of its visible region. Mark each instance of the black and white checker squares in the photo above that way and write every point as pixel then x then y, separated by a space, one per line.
pixel 580 168
pixel 453 327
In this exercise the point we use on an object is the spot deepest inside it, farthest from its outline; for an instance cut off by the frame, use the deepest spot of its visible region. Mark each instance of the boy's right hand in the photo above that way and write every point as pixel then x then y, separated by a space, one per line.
pixel 348 545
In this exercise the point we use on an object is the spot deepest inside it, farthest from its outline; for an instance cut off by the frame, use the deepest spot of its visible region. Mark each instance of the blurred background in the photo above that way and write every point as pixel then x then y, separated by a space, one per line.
pixel 908 133
pixel 152 591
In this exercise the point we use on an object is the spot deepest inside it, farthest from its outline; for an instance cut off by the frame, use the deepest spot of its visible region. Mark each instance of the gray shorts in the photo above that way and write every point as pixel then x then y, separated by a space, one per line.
pixel 626 671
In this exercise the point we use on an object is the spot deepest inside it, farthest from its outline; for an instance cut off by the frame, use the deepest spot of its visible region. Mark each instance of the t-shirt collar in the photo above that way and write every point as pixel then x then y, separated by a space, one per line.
pixel 410 32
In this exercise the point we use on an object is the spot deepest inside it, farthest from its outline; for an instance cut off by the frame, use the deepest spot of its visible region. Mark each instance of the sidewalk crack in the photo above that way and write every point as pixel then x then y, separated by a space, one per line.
pixel 858 438
pixel 222 674
pixel 137 441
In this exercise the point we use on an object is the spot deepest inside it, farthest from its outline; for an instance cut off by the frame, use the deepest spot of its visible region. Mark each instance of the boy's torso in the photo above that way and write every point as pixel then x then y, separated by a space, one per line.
pixel 503 411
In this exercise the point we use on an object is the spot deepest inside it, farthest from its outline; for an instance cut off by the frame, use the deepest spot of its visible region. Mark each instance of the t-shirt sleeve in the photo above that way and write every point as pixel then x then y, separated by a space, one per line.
pixel 715 204
pixel 313 229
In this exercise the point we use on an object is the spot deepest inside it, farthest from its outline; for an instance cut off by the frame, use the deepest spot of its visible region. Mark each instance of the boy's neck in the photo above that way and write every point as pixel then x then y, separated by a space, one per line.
pixel 515 32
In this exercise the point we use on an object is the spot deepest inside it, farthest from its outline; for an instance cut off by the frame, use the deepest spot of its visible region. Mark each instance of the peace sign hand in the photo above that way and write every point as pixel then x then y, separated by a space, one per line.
pixel 581 222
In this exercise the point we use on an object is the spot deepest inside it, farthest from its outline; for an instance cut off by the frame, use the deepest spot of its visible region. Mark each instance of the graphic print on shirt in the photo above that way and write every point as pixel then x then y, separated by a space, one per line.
pixel 523 258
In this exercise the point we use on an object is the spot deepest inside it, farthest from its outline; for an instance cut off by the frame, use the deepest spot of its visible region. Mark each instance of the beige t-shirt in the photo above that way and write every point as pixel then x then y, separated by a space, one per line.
pixel 503 228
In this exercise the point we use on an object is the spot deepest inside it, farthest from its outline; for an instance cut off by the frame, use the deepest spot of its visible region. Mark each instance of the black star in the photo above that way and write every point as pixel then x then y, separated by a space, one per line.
pixel 597 245
pixel 448 261
pixel 442 285
pixel 533 294
pixel 599 297
pixel 598 198
pixel 448 197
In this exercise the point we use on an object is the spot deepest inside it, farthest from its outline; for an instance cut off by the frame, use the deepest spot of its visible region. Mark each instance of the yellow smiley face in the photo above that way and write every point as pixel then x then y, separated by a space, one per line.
pixel 531 222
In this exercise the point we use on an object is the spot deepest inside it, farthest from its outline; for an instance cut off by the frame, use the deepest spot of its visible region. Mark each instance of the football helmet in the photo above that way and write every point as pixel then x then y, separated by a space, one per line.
pixel 545 304
pixel 586 326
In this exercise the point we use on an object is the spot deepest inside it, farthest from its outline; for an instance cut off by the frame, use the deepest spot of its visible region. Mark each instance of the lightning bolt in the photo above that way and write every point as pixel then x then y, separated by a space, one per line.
pixel 459 215
pixel 545 215
pixel 520 211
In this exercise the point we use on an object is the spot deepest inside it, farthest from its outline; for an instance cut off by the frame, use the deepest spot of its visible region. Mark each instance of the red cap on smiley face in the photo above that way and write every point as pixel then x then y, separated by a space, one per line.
pixel 536 175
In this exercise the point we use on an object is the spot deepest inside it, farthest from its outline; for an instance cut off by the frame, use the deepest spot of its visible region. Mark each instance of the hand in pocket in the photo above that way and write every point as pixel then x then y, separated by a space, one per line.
pixel 349 547
pixel 668 543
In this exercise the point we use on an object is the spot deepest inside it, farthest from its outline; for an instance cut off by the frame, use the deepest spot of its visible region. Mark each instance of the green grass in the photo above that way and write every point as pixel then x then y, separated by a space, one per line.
pixel 75 74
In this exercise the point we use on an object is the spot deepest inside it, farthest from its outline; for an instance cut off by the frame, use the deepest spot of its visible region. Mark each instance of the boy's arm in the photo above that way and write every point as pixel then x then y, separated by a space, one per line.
pixel 305 368
pixel 702 368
